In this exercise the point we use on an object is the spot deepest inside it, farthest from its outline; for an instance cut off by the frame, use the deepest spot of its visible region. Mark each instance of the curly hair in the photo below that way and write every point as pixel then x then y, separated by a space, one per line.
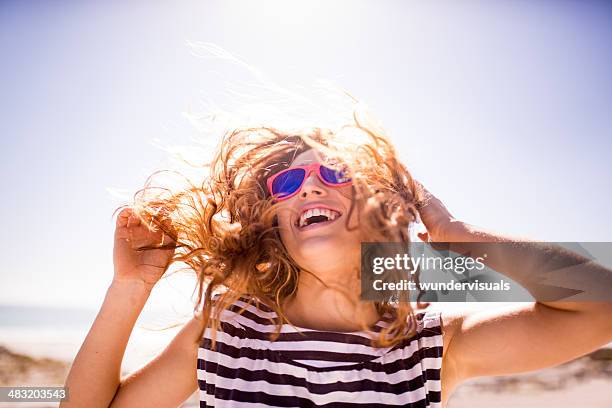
pixel 226 228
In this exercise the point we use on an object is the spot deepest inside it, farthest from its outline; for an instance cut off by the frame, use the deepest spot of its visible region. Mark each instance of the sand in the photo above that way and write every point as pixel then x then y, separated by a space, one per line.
pixel 585 382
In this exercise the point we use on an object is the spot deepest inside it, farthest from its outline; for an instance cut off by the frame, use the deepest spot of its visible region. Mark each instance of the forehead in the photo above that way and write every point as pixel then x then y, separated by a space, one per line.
pixel 307 157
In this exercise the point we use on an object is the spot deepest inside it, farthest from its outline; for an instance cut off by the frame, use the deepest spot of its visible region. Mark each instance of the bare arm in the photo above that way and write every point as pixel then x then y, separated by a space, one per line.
pixel 168 379
pixel 94 376
pixel 141 255
pixel 523 336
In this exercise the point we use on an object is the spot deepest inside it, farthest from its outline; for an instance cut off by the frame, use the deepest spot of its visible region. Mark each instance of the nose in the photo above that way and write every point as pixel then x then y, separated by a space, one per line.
pixel 313 186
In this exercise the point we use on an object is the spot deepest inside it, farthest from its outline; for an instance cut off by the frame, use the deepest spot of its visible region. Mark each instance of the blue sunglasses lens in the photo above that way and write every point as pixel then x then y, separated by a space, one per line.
pixel 334 176
pixel 288 182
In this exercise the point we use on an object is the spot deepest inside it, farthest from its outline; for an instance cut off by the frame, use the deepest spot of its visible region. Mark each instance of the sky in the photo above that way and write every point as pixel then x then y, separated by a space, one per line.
pixel 501 109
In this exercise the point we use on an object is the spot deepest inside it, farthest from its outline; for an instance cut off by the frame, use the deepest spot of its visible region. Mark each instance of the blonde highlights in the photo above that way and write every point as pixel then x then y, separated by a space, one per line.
pixel 225 228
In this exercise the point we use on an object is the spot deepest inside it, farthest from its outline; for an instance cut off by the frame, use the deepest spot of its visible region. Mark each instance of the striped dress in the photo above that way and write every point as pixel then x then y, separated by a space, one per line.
pixel 316 368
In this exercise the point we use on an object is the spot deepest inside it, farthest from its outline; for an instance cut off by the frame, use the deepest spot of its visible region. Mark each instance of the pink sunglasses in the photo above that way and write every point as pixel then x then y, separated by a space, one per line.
pixel 287 183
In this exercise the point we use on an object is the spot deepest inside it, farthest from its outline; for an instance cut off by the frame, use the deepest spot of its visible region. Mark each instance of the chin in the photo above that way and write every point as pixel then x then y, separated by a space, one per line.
pixel 317 247
pixel 320 252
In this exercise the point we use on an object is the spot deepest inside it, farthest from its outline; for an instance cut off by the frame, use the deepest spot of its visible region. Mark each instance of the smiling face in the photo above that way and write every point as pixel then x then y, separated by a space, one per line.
pixel 313 225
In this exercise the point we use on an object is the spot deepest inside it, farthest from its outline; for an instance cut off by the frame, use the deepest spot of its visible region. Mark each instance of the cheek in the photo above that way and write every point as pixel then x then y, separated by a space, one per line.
pixel 283 215
pixel 284 226
pixel 347 192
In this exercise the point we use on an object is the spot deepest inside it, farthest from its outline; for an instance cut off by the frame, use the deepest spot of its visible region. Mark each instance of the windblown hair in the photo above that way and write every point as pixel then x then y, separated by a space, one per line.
pixel 226 229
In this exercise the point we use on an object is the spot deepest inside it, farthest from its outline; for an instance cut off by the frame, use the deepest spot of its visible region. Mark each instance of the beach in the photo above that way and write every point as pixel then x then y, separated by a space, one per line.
pixel 18 369
pixel 37 348
pixel 584 382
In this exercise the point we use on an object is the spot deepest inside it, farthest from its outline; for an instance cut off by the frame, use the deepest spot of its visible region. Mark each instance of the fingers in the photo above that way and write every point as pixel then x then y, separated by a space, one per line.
pixel 427 199
pixel 127 218
pixel 425 191
pixel 122 218
pixel 153 231
pixel 127 226
pixel 121 230
pixel 164 228
pixel 422 195
pixel 133 221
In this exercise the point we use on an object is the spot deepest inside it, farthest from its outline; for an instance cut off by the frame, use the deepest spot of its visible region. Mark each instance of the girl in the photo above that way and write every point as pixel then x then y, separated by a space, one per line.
pixel 274 234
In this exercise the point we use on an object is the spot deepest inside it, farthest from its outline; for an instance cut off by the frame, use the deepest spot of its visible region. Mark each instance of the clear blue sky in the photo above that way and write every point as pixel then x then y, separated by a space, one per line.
pixel 503 109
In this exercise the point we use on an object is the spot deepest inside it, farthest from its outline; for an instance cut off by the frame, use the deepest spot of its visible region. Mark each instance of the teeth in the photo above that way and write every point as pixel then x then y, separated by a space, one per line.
pixel 330 214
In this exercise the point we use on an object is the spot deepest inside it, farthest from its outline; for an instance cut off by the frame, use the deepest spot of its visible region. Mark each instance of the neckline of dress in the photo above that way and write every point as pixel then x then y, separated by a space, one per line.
pixel 293 327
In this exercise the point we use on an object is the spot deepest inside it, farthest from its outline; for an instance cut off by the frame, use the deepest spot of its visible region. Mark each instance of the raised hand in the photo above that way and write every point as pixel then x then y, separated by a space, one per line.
pixel 132 262
pixel 441 225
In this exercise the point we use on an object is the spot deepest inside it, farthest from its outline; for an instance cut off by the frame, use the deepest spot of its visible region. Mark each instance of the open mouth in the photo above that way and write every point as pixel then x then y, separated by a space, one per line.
pixel 316 217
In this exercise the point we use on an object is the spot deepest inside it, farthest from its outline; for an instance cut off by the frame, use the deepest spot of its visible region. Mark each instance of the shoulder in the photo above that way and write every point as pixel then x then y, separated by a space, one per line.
pixel 445 320
pixel 237 314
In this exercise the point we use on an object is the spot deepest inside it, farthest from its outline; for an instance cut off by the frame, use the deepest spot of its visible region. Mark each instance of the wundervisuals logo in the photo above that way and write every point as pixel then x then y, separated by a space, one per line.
pixel 475 272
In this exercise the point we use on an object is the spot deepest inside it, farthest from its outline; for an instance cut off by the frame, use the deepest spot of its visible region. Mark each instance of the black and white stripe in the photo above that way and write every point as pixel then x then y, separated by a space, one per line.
pixel 310 368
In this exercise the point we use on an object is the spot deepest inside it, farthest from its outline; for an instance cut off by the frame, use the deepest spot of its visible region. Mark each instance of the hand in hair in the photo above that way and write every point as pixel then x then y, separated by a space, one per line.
pixel 440 223
pixel 142 250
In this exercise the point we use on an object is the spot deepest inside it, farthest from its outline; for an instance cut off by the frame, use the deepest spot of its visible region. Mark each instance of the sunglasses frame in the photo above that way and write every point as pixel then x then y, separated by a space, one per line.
pixel 309 169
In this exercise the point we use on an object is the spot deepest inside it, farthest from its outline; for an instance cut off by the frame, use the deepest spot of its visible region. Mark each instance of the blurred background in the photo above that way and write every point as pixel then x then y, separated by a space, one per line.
pixel 502 109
